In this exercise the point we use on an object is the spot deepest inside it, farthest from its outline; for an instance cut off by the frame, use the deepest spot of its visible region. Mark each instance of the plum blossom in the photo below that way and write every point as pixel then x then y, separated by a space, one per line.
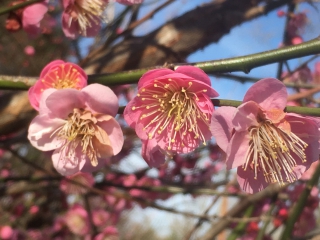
pixel 264 143
pixel 171 112
pixel 84 17
pixel 59 75
pixel 77 220
pixel 79 126
pixel 27 18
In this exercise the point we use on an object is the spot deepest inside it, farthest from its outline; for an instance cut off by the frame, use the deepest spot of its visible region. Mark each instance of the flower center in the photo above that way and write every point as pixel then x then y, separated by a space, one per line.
pixel 80 129
pixel 62 77
pixel 86 12
pixel 174 109
pixel 274 151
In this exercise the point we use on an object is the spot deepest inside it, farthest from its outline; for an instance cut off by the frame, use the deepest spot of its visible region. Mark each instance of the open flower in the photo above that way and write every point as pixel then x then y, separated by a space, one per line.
pixel 82 17
pixel 79 126
pixel 266 144
pixel 171 112
pixel 57 74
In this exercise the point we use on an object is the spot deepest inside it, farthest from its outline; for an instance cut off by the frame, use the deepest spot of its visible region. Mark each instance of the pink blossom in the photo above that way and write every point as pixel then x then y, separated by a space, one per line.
pixel 266 144
pixel 6 232
pixel 32 15
pixel 79 126
pixel 77 220
pixel 82 17
pixel 59 75
pixel 100 217
pixel 27 18
pixel 110 233
pixel 85 179
pixel 29 50
pixel 171 112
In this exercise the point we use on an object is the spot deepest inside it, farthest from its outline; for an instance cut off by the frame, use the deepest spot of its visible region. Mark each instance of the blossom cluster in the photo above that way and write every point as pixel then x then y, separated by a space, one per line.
pixel 79 17
pixel 172 114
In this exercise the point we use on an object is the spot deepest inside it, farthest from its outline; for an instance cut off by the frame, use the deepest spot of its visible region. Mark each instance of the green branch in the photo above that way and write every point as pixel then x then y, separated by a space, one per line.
pixel 17 6
pixel 245 64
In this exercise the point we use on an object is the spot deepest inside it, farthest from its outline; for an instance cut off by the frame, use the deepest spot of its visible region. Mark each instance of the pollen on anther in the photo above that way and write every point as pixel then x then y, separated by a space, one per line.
pixel 133 108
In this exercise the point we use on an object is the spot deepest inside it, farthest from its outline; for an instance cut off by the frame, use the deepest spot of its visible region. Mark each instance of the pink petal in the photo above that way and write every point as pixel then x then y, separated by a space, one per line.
pixel 195 73
pixel 47 68
pixel 246 116
pixel 113 129
pixel 88 168
pixel 72 30
pixel 131 116
pixel 101 99
pixel 269 93
pixel 40 132
pixel 152 153
pixel 248 183
pixel 66 166
pixel 62 102
pixel 237 149
pixel 43 109
pixel 221 126
pixel 152 75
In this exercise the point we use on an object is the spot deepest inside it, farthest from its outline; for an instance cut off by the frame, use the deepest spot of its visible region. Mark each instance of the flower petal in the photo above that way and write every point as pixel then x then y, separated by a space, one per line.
pixel 195 73
pixel 246 116
pixel 153 75
pixel 237 149
pixel 152 153
pixel 113 129
pixel 68 166
pixel 269 93
pixel 221 126
pixel 101 99
pixel 40 132
pixel 62 102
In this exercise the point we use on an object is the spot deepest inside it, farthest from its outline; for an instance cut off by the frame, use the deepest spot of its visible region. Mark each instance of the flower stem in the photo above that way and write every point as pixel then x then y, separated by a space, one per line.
pixel 17 6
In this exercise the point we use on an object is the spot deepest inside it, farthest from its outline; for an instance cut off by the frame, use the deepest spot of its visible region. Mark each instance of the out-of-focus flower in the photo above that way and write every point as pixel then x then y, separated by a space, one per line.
pixel 79 126
pixel 59 75
pixel 266 144
pixel 77 220
pixel 6 232
pixel 100 217
pixel 171 112
pixel 109 233
pixel 29 50
pixel 28 18
pixel 69 187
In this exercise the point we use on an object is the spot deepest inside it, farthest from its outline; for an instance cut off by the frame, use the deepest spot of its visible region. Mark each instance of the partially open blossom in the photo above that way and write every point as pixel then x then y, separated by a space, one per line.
pixel 59 75
pixel 171 112
pixel 27 18
pixel 79 126
pixel 266 144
